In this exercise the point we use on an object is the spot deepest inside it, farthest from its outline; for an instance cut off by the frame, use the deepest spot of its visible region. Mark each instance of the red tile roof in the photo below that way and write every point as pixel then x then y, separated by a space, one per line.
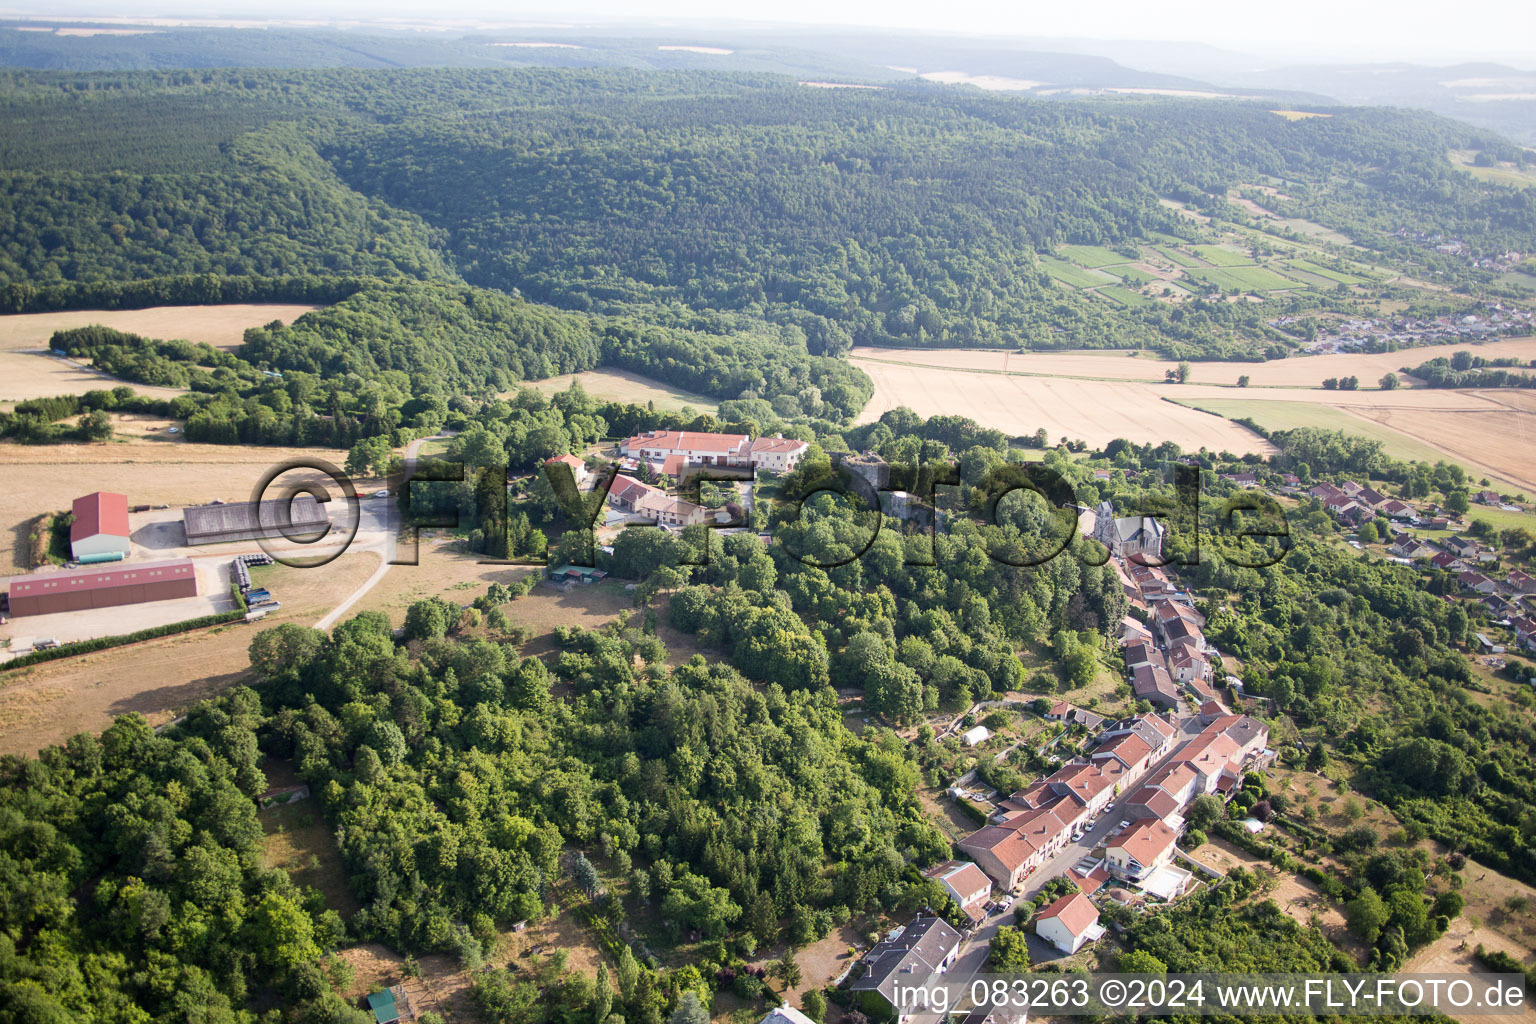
pixel 101 512
pixel 1146 841
pixel 686 440
pixel 1077 912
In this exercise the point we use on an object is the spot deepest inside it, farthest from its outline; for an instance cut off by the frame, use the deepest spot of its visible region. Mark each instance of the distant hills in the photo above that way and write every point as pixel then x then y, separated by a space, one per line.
pixel 1489 95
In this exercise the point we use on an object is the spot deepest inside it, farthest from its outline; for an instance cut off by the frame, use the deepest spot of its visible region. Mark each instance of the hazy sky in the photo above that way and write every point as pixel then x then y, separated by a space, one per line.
pixel 1365 29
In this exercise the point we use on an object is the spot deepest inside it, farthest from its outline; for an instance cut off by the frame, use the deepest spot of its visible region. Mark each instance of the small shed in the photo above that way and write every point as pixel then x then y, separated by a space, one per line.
pixel 382 1003
pixel 577 574
pixel 390 1005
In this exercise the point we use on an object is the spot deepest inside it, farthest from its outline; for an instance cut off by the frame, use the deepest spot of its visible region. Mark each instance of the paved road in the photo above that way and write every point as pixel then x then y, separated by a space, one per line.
pixel 381 539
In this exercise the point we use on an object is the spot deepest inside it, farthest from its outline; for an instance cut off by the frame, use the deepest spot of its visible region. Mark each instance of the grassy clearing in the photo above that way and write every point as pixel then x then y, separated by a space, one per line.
pixel 1126 297
pixel 296 839
pixel 1075 276
pixel 1256 279
pixel 1336 276
pixel 622 386
pixel 1221 256
pixel 1298 115
pixel 1502 174
pixel 1091 256
pixel 1518 279
pixel 1501 519
pixel 1178 256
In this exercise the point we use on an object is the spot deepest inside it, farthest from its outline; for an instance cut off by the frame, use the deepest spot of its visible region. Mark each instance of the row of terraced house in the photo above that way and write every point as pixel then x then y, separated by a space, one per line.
pixel 1034 824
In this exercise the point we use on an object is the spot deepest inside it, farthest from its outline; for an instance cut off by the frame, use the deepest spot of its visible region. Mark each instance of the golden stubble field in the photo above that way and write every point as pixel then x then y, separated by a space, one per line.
pixel 28 371
pixel 1099 397
pixel 1116 364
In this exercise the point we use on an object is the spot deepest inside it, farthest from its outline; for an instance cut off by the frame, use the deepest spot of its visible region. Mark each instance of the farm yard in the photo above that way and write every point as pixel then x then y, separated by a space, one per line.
pixel 28 371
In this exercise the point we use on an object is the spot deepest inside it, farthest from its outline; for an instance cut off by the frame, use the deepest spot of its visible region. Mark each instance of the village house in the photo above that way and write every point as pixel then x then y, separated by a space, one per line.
pixel 579 468
pixel 1140 850
pixel 675 449
pixel 670 511
pixel 1070 923
pixel 1462 547
pixel 966 884
pixel 1476 582
pixel 1153 683
pixel 777 454
pixel 626 492
pixel 1521 582
pixel 1188 665
pixel 913 955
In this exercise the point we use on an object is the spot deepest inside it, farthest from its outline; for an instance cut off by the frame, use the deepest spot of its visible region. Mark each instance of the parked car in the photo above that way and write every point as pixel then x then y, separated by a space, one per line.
pixel 1123 826
pixel 381 494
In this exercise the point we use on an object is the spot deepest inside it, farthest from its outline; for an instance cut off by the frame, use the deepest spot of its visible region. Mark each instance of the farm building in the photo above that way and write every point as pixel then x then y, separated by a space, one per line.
pixel 576 574
pixel 49 592
pixel 303 518
pixel 100 530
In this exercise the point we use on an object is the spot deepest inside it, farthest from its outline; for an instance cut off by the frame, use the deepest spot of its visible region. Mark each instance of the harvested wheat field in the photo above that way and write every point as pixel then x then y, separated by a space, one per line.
pixel 1092 410
pixel 48 703
pixel 1118 364
pixel 47 478
pixel 28 371
pixel 1497 441
pixel 220 326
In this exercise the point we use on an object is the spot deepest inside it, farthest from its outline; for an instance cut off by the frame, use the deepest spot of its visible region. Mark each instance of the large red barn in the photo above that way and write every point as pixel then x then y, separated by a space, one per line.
pixel 44 593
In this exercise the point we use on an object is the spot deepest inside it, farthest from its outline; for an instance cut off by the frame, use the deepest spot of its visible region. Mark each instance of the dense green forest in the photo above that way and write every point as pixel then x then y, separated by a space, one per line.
pixel 710 202
pixel 454 780
pixel 402 359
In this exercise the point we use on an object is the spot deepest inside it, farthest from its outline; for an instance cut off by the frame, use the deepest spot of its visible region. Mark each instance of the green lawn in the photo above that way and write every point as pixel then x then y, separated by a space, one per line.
pixel 1222 256
pixel 1518 279
pixel 1091 256
pixel 609 385
pixel 1497 517
pixel 1077 277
